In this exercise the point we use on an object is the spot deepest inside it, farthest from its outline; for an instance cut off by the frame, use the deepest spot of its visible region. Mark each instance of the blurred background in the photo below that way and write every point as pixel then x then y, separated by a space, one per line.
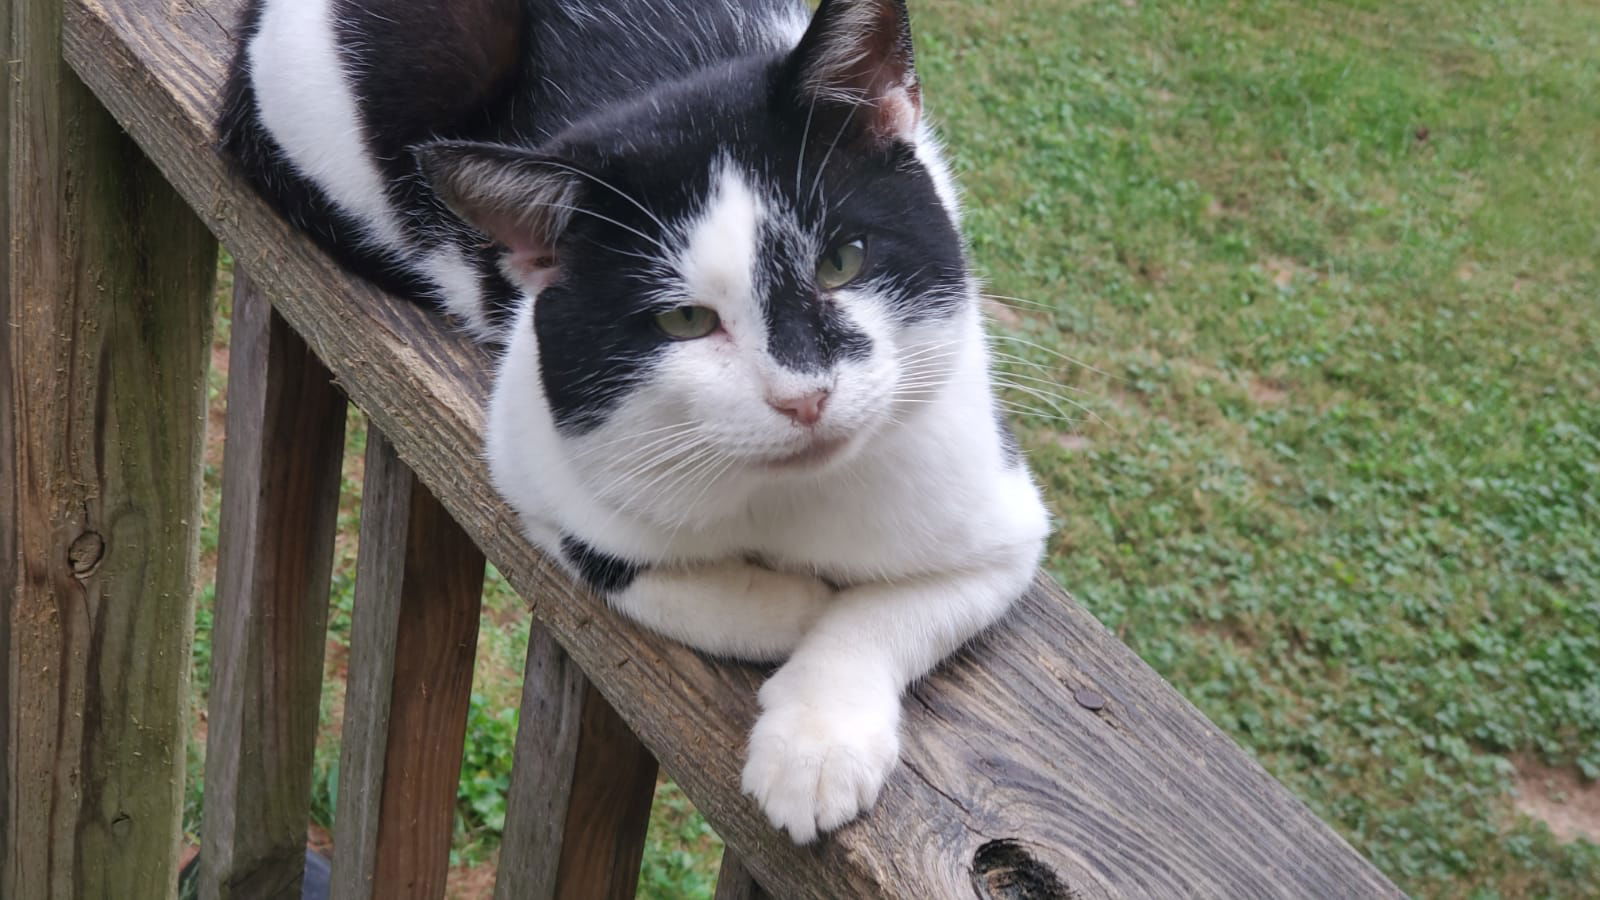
pixel 1298 308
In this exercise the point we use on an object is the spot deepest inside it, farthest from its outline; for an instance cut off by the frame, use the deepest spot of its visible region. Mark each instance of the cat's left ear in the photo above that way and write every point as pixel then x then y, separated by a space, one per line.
pixel 856 60
pixel 519 200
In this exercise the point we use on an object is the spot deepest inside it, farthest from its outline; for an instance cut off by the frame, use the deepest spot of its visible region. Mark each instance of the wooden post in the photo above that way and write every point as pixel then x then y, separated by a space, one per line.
pixel 280 503
pixel 734 881
pixel 581 788
pixel 419 585
pixel 106 311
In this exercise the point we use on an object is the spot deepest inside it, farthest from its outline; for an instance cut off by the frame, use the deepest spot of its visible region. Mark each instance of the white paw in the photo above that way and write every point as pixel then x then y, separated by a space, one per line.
pixel 815 766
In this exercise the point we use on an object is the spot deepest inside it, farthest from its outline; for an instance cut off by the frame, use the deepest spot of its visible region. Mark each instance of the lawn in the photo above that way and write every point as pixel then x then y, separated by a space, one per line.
pixel 1300 306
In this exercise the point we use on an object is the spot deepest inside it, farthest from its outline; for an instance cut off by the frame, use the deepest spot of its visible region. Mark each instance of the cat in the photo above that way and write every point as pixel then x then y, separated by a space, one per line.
pixel 743 386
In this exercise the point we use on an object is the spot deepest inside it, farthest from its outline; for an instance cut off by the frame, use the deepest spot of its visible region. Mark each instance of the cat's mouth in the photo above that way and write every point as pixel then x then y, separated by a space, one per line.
pixel 815 454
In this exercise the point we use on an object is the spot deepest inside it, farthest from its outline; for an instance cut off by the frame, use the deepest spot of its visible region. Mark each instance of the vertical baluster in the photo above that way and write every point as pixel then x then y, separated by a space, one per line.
pixel 280 499
pixel 734 881
pixel 419 582
pixel 581 788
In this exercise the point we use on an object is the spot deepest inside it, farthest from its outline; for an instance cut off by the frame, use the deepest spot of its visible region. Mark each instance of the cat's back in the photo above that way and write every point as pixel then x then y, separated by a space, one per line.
pixel 583 56
pixel 327 98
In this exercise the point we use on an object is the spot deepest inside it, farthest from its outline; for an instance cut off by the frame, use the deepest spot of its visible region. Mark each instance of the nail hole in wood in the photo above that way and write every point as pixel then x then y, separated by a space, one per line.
pixel 1005 870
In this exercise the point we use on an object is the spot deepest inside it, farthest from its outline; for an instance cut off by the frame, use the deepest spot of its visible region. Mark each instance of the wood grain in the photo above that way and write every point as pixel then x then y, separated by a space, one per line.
pixel 419 584
pixel 280 504
pixel 546 756
pixel 734 881
pixel 1001 767
pixel 104 296
pixel 581 788
pixel 608 810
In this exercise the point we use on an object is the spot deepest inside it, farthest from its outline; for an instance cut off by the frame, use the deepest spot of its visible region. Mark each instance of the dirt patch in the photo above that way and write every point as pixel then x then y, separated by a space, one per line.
pixel 471 882
pixel 1001 312
pixel 1076 443
pixel 1267 392
pixel 1560 798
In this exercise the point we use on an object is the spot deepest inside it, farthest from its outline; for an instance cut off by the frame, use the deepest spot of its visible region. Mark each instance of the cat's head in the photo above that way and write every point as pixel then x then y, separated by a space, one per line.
pixel 749 273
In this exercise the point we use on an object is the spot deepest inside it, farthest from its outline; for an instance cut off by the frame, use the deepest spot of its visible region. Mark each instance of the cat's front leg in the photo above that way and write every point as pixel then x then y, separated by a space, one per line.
pixel 829 731
pixel 730 609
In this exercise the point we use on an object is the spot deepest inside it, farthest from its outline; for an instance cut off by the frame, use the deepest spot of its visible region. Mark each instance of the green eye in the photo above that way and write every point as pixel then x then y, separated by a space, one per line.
pixel 841 264
pixel 685 323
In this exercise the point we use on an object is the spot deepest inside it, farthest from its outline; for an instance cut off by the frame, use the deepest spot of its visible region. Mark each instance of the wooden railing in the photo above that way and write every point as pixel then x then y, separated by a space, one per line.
pixel 1044 761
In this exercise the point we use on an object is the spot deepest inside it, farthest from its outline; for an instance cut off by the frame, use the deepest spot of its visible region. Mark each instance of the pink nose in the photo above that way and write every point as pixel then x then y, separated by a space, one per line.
pixel 804 408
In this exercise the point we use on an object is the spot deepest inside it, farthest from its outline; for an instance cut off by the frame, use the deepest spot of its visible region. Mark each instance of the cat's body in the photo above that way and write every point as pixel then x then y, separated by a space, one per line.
pixel 744 392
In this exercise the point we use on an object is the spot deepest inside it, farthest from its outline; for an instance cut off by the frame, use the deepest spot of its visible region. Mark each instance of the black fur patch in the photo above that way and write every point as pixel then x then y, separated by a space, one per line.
pixel 645 97
pixel 1009 445
pixel 606 574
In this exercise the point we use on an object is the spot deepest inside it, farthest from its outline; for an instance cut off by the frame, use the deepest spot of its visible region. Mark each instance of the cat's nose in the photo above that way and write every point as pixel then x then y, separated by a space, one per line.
pixel 803 408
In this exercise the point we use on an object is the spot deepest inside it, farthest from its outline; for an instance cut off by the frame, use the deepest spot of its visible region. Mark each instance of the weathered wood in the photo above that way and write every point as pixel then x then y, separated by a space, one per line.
pixel 419 585
pixel 541 773
pixel 1003 771
pixel 734 881
pixel 581 786
pixel 280 504
pixel 105 304
pixel 608 810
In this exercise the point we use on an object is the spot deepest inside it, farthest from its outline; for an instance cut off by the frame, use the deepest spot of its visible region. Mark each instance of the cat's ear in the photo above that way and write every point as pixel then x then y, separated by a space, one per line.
pixel 517 199
pixel 856 60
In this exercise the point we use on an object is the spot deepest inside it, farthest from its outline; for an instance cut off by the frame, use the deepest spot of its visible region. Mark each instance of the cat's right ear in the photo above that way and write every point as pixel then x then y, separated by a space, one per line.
pixel 855 66
pixel 520 201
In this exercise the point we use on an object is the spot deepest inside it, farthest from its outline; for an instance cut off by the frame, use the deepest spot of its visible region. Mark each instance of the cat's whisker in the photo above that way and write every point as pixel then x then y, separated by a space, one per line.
pixel 1034 413
pixel 629 228
pixel 1048 382
pixel 687 509
pixel 1056 353
pixel 665 458
pixel 1053 399
pixel 832 145
pixel 606 184
pixel 1005 300
pixel 800 163
pixel 633 436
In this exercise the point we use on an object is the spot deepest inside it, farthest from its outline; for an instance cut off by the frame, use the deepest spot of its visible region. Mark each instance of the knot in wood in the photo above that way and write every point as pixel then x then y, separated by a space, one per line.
pixel 122 826
pixel 84 554
pixel 1005 870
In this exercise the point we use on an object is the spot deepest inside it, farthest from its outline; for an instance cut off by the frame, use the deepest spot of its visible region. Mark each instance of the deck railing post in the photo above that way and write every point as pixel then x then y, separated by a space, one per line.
pixel 414 635
pixel 106 287
pixel 734 881
pixel 581 788
pixel 280 501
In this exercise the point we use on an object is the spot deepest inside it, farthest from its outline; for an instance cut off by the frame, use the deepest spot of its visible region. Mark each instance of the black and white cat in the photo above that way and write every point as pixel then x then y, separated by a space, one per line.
pixel 744 390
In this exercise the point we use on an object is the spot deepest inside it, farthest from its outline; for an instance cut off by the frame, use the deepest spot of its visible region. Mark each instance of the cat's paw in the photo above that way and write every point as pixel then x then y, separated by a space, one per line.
pixel 814 766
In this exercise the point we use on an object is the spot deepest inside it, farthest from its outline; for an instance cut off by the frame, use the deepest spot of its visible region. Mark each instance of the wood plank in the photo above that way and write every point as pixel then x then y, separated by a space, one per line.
pixel 541 774
pixel 1002 768
pixel 280 504
pixel 419 585
pixel 581 788
pixel 105 296
pixel 734 881
pixel 609 808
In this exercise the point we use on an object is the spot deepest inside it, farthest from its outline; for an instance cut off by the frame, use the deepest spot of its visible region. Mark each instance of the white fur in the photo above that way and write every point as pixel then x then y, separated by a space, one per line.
pixel 307 103
pixel 917 517
pixel 459 287
pixel 922 520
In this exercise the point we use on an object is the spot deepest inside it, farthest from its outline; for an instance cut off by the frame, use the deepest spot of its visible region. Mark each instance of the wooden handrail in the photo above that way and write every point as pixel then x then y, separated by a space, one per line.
pixel 1045 760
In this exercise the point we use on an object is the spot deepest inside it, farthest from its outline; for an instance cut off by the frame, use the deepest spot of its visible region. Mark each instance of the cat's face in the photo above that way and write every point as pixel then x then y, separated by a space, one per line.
pixel 741 278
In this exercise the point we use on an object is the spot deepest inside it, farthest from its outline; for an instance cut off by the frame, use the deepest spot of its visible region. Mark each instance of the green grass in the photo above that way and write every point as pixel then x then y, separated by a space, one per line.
pixel 1329 273
pixel 1337 263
